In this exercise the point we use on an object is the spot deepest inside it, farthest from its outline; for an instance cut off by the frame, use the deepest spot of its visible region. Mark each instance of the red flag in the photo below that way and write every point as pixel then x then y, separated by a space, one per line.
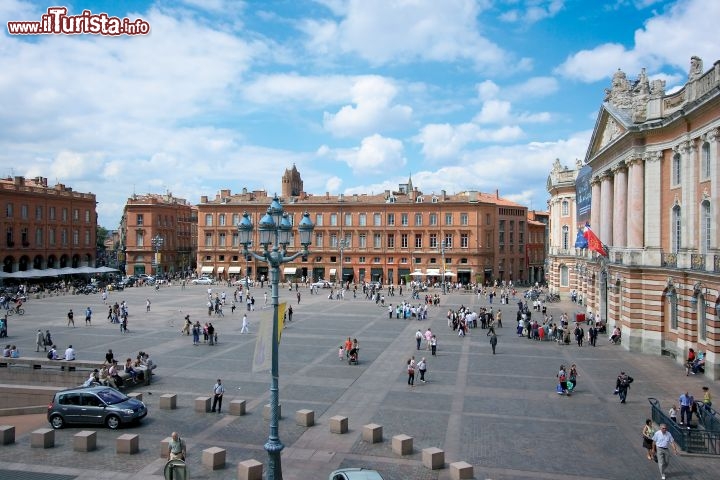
pixel 594 242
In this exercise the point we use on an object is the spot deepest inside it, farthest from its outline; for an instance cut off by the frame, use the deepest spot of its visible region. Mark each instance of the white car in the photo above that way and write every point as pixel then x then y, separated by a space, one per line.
pixel 243 282
pixel 322 284
pixel 202 281
pixel 355 474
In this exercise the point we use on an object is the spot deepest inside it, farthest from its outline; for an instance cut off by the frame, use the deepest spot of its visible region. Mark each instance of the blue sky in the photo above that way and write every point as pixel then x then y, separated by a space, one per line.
pixel 358 94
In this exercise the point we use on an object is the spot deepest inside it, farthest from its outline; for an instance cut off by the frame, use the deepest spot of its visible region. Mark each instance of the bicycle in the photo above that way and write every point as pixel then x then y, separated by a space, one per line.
pixel 13 311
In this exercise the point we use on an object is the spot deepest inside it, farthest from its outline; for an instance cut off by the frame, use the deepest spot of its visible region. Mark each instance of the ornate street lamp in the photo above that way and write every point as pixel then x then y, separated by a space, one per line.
pixel 274 231
pixel 157 243
pixel 342 245
pixel 443 246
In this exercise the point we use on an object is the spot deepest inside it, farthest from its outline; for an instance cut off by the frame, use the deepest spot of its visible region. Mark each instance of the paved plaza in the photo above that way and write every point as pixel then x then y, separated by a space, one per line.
pixel 498 412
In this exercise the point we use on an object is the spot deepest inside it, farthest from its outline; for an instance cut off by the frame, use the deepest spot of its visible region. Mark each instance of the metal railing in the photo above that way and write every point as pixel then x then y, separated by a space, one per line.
pixel 696 440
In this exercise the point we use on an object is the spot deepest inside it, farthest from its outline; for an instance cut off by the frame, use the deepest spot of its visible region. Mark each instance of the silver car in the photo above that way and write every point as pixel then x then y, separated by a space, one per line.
pixel 94 405
pixel 355 474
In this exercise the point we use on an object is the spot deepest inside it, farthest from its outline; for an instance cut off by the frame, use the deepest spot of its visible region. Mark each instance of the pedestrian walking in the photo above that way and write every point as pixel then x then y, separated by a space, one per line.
pixel 245 324
pixel 48 338
pixel 40 341
pixel 707 399
pixel 176 447
pixel 147 305
pixel 422 368
pixel 647 432
pixel 433 345
pixel 411 372
pixel 418 339
pixel 493 342
pixel 88 316
pixel 662 441
pixel 218 392
pixel 71 318
pixel 290 313
pixel 622 384
pixel 686 403
pixel 298 296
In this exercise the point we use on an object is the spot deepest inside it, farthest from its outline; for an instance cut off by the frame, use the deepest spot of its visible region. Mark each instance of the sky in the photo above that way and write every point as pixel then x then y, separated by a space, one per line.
pixel 358 94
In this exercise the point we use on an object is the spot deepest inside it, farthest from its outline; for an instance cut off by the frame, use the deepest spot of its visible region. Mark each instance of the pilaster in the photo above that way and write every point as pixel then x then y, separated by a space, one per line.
pixel 606 209
pixel 620 197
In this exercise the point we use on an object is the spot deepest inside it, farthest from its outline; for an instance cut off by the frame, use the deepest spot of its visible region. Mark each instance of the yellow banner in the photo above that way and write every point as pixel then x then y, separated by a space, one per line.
pixel 281 319
pixel 262 357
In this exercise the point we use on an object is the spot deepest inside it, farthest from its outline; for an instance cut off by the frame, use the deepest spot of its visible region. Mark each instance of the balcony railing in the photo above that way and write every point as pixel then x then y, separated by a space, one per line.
pixel 697 261
pixel 669 260
pixel 716 263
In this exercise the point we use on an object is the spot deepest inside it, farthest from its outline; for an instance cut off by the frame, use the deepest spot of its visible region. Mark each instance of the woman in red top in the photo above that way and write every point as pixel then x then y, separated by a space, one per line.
pixel 690 361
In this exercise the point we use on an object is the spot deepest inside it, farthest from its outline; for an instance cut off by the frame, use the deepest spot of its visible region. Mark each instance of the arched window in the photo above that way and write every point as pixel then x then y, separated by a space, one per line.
pixel 564 276
pixel 705 227
pixel 705 156
pixel 565 237
pixel 676 169
pixel 565 209
pixel 676 229
pixel 673 302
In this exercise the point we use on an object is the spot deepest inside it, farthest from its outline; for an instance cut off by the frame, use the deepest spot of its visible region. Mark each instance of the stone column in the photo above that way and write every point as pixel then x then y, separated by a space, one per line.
pixel 688 157
pixel 595 204
pixel 652 178
pixel 713 137
pixel 636 203
pixel 620 196
pixel 605 232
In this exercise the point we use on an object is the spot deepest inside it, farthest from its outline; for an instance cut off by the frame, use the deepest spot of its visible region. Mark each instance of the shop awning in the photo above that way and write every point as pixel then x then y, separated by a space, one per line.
pixel 433 272
pixel 290 270
pixel 333 271
pixel 207 269
pixel 221 269
pixel 233 269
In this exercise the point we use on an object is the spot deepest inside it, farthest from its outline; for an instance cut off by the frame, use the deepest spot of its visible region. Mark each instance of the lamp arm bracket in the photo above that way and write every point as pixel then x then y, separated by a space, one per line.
pixel 294 256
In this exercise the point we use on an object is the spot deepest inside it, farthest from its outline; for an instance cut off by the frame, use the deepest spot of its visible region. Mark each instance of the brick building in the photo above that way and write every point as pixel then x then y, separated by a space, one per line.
pixel 382 237
pixel 655 203
pixel 158 224
pixel 46 227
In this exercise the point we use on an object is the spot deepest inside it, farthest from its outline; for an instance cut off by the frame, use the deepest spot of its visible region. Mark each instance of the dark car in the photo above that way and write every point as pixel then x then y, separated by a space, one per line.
pixel 94 405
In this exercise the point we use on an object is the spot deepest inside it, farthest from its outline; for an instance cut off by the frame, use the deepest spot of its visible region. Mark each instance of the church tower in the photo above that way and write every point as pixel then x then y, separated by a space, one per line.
pixel 292 184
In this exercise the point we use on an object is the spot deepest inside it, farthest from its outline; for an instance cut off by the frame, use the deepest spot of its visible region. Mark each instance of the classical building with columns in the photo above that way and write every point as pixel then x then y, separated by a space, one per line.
pixel 654 203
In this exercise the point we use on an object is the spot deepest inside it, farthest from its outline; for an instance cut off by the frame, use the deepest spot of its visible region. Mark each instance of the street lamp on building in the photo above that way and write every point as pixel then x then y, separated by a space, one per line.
pixel 274 231
pixel 157 243
pixel 443 246
pixel 605 282
pixel 342 245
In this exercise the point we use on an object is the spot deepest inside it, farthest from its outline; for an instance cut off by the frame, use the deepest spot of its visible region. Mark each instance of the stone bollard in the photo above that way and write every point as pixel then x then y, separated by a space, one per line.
pixel 402 444
pixel 214 458
pixel 237 407
pixel 305 418
pixel 461 471
pixel 372 433
pixel 128 443
pixel 42 438
pixel 202 404
pixel 168 401
pixel 7 434
pixel 250 470
pixel 338 424
pixel 433 458
pixel 85 441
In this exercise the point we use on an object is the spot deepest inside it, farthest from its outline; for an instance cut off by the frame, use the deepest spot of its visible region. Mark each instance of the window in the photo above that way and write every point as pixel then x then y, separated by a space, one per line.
pixel 564 276
pixel 63 237
pixel 488 239
pixel 448 240
pixel 333 219
pixel 362 240
pixel 565 237
pixel 362 219
pixel 464 240
pixel 463 219
pixel 361 259
pixel 433 219
pixel 706 223
pixel 221 219
pixel 391 219
pixel 319 240
pixel 38 237
pixel 348 219
pixel 672 296
pixel 377 219
pixel 705 156
pixel 702 319
pixel 235 219
pixel 235 240
pixel 403 260
pixel 448 219
pixel 76 214
pixel 24 212
pixel 433 240
pixel 87 216
pixel 208 239
pixel 376 259
pixel 139 239
pixel 24 237
pixel 318 219
pixel 390 260
pixel 221 239
pixel 390 240
pixel 418 219
pixel 87 237
pixel 348 240
pixel 565 208
pixel 417 260
pixel 404 240
pixel 51 213
pixel 9 210
pixel 404 219
pixel 51 236
pixel 676 163
pixel 676 229
pixel 419 200
pixel 208 220
pixel 487 219
pixel 333 240
pixel 418 240
pixel 38 213
pixel 377 241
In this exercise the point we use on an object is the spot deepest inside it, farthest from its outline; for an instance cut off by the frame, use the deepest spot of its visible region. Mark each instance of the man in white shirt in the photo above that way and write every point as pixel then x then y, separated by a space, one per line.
pixel 662 441
pixel 218 391
pixel 70 353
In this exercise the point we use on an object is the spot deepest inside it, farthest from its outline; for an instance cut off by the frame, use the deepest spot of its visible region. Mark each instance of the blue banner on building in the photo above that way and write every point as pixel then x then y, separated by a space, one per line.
pixel 583 195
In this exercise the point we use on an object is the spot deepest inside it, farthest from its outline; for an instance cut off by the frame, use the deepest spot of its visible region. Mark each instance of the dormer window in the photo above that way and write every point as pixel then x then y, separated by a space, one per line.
pixel 434 199
pixel 419 200
pixel 391 199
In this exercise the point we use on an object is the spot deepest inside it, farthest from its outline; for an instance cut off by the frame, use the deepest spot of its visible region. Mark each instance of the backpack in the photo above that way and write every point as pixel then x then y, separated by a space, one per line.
pixel 50 355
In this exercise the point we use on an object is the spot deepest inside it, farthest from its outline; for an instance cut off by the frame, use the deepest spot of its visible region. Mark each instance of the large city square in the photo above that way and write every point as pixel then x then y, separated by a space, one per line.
pixel 499 413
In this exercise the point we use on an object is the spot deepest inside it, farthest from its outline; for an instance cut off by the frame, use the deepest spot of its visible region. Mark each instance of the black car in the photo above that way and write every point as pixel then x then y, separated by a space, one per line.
pixel 94 405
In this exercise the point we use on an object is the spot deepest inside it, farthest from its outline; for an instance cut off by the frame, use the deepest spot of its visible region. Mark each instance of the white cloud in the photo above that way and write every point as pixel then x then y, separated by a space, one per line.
pixel 376 155
pixel 488 90
pixel 385 31
pixel 444 141
pixel 333 184
pixel 533 11
pixel 372 110
pixel 668 38
pixel 534 87
pixel 295 88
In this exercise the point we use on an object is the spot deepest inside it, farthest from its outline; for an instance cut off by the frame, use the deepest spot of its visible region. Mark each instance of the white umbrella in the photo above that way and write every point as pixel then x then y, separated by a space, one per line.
pixel 417 274
pixel 449 274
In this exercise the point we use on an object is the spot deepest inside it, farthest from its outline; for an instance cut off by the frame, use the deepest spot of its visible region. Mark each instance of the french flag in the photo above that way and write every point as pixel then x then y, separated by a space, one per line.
pixel 594 242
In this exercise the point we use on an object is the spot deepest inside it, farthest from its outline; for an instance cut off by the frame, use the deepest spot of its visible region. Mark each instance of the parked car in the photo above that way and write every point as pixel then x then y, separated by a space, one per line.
pixel 375 284
pixel 322 284
pixel 94 405
pixel 241 281
pixel 202 281
pixel 355 474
